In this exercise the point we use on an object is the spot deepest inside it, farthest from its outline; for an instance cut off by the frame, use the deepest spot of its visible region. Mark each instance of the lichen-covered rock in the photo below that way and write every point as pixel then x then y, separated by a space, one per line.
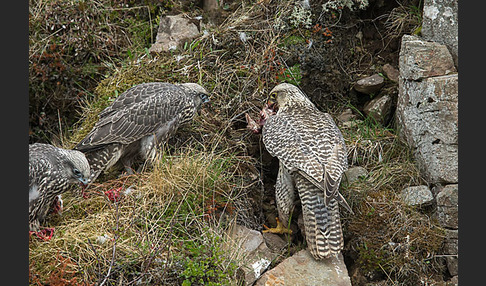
pixel 440 24
pixel 427 117
pixel 417 196
pixel 420 59
pixel 370 84
pixel 303 269
pixel 379 108
pixel 274 242
pixel 354 174
pixel 447 206
pixel 256 255
pixel 173 32
pixel 451 250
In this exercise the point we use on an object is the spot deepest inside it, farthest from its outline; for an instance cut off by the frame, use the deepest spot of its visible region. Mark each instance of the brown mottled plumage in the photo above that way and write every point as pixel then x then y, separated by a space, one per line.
pixel 51 171
pixel 313 158
pixel 138 121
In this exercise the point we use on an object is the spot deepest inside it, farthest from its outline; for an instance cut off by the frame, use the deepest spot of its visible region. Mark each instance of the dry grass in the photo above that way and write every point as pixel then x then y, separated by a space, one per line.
pixel 405 19
pixel 190 197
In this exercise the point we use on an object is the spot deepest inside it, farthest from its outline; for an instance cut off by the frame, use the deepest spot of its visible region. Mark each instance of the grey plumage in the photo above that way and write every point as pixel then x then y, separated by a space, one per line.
pixel 137 122
pixel 313 157
pixel 51 171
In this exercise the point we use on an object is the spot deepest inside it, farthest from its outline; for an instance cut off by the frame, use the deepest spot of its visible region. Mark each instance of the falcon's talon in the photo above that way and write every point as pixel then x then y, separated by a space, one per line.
pixel 279 229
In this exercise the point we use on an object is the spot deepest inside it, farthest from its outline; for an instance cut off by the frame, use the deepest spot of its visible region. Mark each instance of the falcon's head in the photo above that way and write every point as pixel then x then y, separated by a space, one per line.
pixel 77 168
pixel 285 95
pixel 199 91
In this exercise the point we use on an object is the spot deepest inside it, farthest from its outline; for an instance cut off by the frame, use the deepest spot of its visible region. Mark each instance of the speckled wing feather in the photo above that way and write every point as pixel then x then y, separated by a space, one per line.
pixel 282 140
pixel 137 112
pixel 137 122
pixel 308 141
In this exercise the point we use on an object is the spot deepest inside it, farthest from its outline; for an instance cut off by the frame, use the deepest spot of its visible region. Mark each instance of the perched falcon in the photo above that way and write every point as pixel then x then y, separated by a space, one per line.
pixel 137 122
pixel 51 171
pixel 312 158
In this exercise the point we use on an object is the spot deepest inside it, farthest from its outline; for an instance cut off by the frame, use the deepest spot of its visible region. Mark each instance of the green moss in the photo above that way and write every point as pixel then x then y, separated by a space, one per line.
pixel 291 75
pixel 291 40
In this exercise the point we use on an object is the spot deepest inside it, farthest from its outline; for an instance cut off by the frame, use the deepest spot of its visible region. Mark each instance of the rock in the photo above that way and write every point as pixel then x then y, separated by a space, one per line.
pixel 447 206
pixel 369 85
pixel 391 72
pixel 353 174
pixel 451 251
pixel 379 108
pixel 274 242
pixel 420 59
pixel 352 123
pixel 417 196
pixel 455 280
pixel 303 269
pixel 427 117
pixel 256 255
pixel 346 115
pixel 173 32
pixel 440 24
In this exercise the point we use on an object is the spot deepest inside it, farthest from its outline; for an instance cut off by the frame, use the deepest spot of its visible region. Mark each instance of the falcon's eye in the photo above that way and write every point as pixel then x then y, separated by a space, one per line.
pixel 76 172
pixel 273 96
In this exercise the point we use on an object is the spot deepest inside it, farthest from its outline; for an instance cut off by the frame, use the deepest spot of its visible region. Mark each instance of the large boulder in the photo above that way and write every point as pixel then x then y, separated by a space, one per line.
pixel 256 256
pixel 420 59
pixel 440 24
pixel 427 113
pixel 173 32
pixel 303 269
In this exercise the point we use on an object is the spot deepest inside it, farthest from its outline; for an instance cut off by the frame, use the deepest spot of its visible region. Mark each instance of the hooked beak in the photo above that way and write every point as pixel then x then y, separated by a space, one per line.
pixel 84 181
pixel 272 105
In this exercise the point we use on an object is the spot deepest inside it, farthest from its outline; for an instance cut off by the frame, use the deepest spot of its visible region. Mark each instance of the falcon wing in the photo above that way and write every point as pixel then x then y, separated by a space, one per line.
pixel 284 141
pixel 310 142
pixel 137 112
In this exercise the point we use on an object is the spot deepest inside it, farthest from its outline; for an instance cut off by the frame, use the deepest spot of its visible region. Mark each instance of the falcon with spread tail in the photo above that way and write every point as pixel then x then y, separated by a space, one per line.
pixel 137 122
pixel 312 159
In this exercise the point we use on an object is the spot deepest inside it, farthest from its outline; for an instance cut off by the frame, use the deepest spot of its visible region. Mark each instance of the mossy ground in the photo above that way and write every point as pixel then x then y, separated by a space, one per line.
pixel 170 228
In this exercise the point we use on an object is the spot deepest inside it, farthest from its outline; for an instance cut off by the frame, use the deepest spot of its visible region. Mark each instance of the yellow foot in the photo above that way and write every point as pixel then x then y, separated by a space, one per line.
pixel 280 229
